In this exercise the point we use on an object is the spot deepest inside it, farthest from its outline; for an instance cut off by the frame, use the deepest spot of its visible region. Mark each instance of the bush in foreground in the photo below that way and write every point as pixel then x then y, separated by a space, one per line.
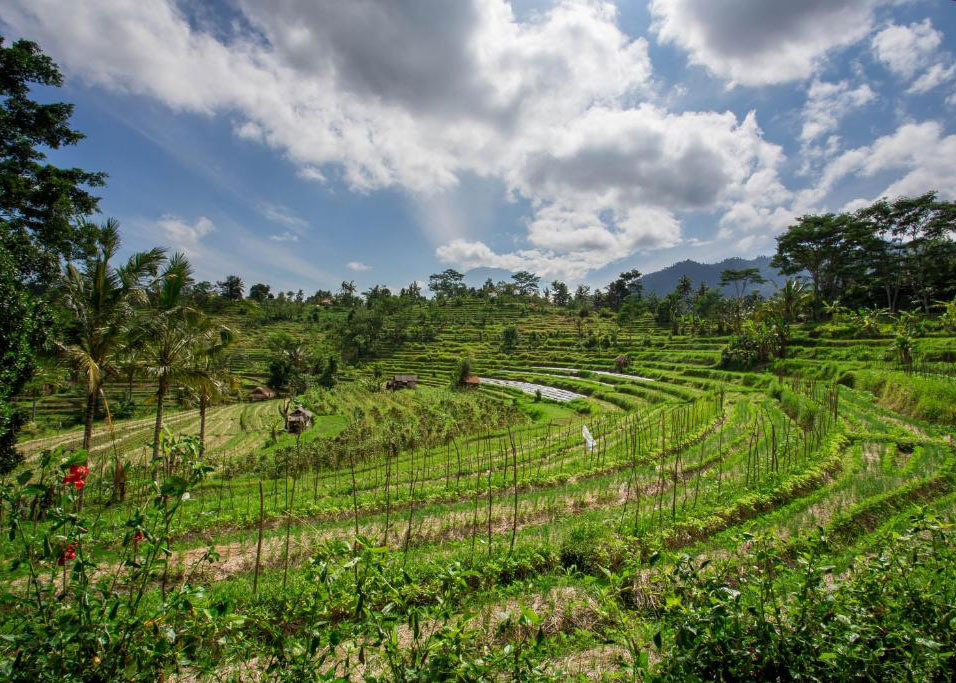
pixel 890 618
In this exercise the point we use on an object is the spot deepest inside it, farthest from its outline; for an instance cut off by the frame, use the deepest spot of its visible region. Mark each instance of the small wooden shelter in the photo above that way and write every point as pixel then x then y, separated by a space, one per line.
pixel 262 394
pixel 402 382
pixel 471 381
pixel 298 420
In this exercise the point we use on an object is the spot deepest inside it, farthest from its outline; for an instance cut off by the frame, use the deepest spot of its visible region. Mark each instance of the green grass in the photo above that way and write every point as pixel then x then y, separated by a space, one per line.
pixel 499 490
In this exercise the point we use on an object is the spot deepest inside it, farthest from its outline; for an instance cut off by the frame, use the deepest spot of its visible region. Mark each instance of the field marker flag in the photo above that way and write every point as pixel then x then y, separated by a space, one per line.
pixel 587 437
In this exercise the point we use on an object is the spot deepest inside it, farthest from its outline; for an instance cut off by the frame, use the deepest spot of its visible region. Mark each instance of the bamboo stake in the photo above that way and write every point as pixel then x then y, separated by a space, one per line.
pixel 262 510
pixel 514 517
pixel 288 531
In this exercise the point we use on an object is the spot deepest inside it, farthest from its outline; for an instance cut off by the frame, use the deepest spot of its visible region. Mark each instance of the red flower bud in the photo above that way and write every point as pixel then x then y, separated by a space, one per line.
pixel 138 536
pixel 79 484
pixel 69 553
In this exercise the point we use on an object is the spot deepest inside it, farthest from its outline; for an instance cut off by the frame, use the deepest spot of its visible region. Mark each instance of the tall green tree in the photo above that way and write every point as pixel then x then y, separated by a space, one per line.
pixel 740 279
pixel 560 294
pixel 526 283
pixel 101 300
pixel 683 291
pixel 211 378
pixel 881 252
pixel 167 332
pixel 627 284
pixel 259 292
pixel 924 225
pixel 347 293
pixel 819 246
pixel 231 288
pixel 42 208
pixel 24 325
pixel 413 292
pixel 447 283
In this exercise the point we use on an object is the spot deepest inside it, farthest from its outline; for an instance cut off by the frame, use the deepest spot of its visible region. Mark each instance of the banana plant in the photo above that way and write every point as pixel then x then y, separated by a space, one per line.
pixel 948 318
pixel 867 321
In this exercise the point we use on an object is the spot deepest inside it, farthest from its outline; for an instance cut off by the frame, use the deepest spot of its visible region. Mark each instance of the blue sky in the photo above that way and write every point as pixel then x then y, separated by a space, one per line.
pixel 306 142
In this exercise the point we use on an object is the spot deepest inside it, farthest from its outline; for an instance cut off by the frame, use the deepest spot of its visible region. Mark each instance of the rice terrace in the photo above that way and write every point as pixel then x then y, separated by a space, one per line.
pixel 539 465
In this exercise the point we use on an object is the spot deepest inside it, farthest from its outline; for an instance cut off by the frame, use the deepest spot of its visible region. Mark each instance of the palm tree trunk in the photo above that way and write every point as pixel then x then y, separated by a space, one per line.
pixel 202 425
pixel 88 423
pixel 160 397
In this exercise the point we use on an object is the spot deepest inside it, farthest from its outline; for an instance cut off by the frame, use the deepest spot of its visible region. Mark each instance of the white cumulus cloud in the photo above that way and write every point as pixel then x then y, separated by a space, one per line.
pixel 921 155
pixel 760 42
pixel 180 234
pixel 827 103
pixel 560 109
pixel 912 53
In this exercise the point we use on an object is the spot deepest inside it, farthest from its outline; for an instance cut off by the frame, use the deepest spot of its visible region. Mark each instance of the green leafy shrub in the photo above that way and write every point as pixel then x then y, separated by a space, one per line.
pixel 741 353
pixel 509 337
pixel 463 370
pixel 890 619
pixel 73 623
pixel 590 547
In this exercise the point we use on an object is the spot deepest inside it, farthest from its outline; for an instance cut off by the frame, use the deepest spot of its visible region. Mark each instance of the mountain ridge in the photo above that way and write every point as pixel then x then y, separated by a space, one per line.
pixel 665 280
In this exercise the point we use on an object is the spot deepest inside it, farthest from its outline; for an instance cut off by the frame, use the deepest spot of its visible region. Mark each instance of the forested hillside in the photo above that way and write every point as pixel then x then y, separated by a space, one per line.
pixel 664 281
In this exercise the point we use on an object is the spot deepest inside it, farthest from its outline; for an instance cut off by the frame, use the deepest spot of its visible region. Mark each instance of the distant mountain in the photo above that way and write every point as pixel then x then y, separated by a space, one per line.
pixel 664 281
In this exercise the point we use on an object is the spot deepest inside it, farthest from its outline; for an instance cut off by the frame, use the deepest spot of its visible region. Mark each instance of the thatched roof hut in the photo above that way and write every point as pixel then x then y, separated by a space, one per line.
pixel 402 382
pixel 298 420
pixel 262 394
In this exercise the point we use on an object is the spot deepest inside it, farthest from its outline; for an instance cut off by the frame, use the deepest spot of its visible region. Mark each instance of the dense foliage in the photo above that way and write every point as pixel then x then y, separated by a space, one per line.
pixel 776 617
pixel 42 208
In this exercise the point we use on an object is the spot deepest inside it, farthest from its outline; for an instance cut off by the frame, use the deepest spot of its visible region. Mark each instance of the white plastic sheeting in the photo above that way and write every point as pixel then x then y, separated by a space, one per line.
pixel 588 439
pixel 527 387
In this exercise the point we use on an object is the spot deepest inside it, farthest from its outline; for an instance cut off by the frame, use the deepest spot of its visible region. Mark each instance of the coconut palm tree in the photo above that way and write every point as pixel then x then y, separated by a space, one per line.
pixel 211 376
pixel 102 301
pixel 167 334
pixel 128 365
pixel 792 299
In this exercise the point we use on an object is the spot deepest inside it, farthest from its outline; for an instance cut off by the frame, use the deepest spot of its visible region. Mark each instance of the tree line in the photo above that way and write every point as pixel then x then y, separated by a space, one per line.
pixel 895 254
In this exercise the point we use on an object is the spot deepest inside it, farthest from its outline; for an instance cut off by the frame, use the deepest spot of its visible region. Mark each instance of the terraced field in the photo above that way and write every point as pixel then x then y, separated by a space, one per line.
pixel 409 524
pixel 54 411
